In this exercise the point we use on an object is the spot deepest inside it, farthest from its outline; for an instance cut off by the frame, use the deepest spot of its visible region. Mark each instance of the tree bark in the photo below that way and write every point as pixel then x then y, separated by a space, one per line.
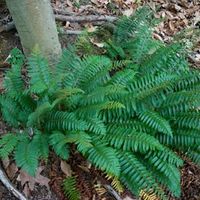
pixel 35 23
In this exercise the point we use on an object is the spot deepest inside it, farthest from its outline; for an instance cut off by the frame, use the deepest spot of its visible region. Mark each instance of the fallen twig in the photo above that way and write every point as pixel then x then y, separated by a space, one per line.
pixel 112 192
pixel 70 32
pixel 87 18
pixel 10 187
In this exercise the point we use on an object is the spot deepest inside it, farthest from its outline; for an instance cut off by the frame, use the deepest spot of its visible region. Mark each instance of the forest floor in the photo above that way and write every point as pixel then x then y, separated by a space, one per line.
pixel 177 16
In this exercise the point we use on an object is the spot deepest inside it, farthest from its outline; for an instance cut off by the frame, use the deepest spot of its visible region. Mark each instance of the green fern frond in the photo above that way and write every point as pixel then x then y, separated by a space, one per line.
pixel 57 141
pixel 60 141
pixel 101 94
pixel 94 109
pixel 94 72
pixel 104 158
pixel 141 45
pixel 188 120
pixel 68 69
pixel 123 78
pixel 96 125
pixel 166 58
pixel 152 84
pixel 70 189
pixel 166 182
pixel 179 102
pixel 16 57
pixel 137 125
pixel 167 169
pixel 130 140
pixel 41 142
pixel 114 50
pixel 61 120
pixel 195 156
pixel 136 176
pixel 35 117
pixel 166 155
pixel 13 82
pixel 8 143
pixel 179 140
pixel 188 80
pixel 125 27
pixel 26 156
pixel 154 120
pixel 10 110
pixel 82 139
pixel 39 72
pixel 67 92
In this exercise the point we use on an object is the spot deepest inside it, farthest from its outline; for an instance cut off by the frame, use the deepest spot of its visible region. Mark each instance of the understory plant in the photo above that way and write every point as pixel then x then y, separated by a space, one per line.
pixel 131 112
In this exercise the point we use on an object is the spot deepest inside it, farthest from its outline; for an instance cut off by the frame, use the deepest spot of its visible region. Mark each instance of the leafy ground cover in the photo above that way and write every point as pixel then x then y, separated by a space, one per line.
pixel 190 181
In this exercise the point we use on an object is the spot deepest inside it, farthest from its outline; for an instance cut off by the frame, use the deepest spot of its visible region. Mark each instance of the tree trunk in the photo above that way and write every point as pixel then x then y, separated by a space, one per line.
pixel 36 26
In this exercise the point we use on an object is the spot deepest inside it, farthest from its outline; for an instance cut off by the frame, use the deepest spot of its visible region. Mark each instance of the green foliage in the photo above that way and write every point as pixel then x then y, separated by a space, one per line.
pixel 57 140
pixel 129 111
pixel 70 189
pixel 7 144
pixel 105 158
pixel 27 155
pixel 16 57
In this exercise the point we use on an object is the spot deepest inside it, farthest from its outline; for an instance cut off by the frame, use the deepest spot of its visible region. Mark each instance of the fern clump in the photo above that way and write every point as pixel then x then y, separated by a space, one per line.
pixel 128 111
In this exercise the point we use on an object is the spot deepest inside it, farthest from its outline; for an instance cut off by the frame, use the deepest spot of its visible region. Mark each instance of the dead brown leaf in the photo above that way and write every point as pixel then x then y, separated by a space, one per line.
pixel 26 190
pixel 6 162
pixel 11 170
pixel 66 169
pixel 30 181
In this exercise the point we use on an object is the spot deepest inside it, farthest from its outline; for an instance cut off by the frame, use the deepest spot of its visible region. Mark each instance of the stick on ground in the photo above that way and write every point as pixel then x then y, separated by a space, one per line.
pixel 10 187
pixel 87 18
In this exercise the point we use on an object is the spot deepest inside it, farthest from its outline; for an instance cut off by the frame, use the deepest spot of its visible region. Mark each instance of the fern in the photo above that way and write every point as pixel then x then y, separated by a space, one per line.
pixel 148 195
pixel 39 73
pixel 70 189
pixel 60 146
pixel 155 121
pixel 26 156
pixel 10 110
pixel 40 140
pixel 128 139
pixel 194 156
pixel 65 121
pixel 104 158
pixel 13 82
pixel 7 144
pixel 139 178
pixel 16 57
